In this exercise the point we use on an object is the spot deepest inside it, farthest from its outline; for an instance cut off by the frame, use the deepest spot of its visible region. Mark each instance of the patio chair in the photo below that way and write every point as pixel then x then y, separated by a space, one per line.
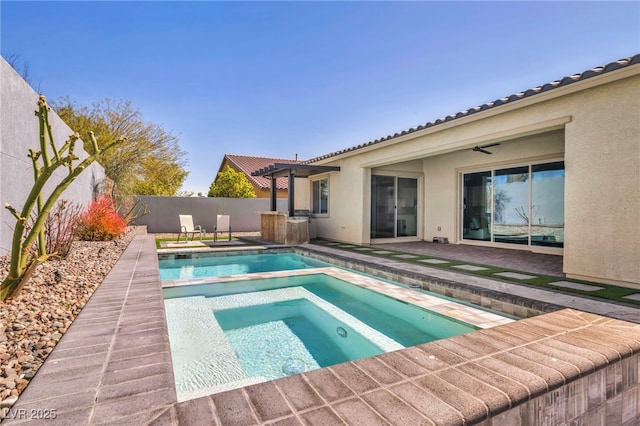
pixel 186 228
pixel 223 225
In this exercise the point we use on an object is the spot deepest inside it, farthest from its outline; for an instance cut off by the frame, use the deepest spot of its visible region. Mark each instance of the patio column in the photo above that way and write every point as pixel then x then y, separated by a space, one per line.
pixel 273 193
pixel 290 193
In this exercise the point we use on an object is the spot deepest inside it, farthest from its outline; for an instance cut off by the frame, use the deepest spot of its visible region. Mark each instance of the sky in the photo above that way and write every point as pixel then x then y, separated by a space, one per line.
pixel 280 79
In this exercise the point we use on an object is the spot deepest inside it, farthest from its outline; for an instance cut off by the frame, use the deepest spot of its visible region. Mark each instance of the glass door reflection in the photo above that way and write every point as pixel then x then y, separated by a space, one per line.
pixel 511 213
pixel 476 206
pixel 407 220
pixel 547 204
pixel 383 204
pixel 394 207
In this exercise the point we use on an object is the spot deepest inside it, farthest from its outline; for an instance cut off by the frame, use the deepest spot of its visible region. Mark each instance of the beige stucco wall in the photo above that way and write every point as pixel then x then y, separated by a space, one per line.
pixel 595 123
pixel 345 219
pixel 602 194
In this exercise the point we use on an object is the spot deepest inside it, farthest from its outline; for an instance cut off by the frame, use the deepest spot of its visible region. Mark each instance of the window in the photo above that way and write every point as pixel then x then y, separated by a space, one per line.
pixel 517 205
pixel 320 196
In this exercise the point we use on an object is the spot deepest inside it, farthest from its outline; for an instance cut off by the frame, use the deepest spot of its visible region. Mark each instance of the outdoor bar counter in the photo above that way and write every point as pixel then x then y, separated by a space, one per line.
pixel 282 229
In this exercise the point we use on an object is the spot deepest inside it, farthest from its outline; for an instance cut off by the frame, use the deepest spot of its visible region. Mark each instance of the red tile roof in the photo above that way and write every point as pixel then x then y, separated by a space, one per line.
pixel 248 164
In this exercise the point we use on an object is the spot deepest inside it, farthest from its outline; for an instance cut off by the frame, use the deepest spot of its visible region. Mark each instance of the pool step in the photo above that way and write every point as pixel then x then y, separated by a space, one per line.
pixel 202 355
pixel 220 388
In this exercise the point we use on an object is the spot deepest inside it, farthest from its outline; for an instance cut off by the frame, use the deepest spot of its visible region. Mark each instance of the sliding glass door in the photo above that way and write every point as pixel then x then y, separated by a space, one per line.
pixel 394 206
pixel 383 204
pixel 407 212
pixel 517 205
pixel 511 205
pixel 476 206
pixel 547 204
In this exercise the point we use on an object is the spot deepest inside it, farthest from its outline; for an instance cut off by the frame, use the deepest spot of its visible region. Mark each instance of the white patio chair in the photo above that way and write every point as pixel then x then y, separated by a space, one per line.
pixel 223 225
pixel 186 228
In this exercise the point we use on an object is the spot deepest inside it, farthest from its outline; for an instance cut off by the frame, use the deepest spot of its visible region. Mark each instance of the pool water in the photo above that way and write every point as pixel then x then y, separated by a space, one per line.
pixel 188 267
pixel 289 337
pixel 230 334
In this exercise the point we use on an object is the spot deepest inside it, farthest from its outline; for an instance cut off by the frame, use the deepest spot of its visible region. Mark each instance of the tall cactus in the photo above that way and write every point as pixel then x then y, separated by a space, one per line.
pixel 23 261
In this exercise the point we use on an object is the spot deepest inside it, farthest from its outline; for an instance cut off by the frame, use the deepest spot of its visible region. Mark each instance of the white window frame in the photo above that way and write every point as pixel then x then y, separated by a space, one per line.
pixel 319 201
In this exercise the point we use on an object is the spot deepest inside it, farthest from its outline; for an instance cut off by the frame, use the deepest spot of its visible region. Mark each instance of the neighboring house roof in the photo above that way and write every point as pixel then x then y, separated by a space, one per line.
pixel 622 63
pixel 247 165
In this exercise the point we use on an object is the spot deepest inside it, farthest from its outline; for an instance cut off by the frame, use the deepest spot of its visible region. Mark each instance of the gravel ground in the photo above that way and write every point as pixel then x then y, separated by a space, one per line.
pixel 33 323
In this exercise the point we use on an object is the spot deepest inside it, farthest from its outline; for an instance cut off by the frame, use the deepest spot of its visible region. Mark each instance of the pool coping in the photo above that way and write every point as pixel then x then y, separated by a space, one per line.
pixel 113 366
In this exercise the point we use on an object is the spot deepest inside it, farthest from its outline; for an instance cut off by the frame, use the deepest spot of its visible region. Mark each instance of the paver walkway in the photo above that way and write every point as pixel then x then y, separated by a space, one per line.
pixel 534 295
pixel 113 365
pixel 520 260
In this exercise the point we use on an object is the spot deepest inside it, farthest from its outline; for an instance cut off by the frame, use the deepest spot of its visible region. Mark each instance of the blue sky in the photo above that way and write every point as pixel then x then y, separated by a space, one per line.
pixel 276 79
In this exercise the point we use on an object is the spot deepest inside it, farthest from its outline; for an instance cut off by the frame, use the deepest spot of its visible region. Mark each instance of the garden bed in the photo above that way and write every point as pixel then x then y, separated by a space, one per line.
pixel 32 324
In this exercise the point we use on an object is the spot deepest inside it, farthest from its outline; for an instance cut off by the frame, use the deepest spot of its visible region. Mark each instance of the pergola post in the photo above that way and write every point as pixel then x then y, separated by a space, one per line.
pixel 290 193
pixel 273 193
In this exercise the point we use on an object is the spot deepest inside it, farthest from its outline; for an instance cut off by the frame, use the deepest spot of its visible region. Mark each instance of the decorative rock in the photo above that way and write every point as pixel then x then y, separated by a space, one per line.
pixel 33 323
pixel 8 402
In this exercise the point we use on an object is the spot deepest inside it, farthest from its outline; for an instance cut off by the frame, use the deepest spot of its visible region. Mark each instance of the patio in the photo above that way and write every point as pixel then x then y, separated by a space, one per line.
pixel 522 260
pixel 113 366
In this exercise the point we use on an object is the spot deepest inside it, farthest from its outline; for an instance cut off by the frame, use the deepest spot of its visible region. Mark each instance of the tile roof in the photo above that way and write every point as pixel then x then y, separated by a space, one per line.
pixel 625 62
pixel 248 164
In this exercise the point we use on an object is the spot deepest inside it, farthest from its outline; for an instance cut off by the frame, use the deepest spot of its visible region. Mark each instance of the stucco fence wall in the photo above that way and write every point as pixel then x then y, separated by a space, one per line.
pixel 244 212
pixel 19 131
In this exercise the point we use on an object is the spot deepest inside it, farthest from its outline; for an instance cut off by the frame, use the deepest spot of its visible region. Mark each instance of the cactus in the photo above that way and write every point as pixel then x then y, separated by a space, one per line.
pixel 23 260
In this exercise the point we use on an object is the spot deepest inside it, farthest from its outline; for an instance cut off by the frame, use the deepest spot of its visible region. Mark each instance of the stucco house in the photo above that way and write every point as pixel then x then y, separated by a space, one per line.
pixel 247 164
pixel 553 169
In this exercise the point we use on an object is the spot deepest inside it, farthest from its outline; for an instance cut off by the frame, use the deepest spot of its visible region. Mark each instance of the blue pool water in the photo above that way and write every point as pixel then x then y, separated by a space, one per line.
pixel 268 337
pixel 214 266
pixel 229 333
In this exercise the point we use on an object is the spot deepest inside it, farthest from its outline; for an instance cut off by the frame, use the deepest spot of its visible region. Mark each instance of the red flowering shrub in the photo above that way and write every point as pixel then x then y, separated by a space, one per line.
pixel 101 222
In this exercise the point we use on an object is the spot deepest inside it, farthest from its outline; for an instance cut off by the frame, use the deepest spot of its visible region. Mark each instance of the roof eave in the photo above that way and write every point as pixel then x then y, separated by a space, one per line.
pixel 456 120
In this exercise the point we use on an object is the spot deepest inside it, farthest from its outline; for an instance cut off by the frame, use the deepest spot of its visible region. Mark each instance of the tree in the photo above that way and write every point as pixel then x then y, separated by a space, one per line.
pixel 160 178
pixel 500 200
pixel 151 163
pixel 231 184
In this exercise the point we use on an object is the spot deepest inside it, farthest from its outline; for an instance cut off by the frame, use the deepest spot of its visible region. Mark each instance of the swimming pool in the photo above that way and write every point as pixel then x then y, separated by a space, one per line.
pixel 232 331
pixel 189 266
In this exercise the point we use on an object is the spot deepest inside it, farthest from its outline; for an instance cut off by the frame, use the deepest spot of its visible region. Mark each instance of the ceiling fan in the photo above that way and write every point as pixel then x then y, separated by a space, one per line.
pixel 482 148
